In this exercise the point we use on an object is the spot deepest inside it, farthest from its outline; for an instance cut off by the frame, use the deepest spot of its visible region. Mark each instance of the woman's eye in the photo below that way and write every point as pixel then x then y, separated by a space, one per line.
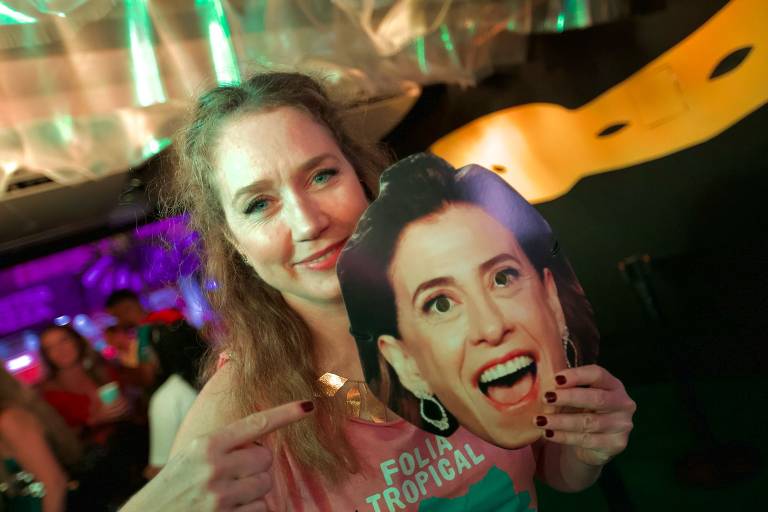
pixel 324 176
pixel 440 304
pixel 256 206
pixel 504 278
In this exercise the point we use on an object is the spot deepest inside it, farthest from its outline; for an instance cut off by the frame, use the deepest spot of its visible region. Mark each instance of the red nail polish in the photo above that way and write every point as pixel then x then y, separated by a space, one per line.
pixel 541 421
pixel 307 406
pixel 560 379
pixel 550 397
pixel 549 433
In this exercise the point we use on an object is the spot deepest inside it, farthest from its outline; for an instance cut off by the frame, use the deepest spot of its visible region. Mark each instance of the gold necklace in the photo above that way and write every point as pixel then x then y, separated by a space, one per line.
pixel 359 399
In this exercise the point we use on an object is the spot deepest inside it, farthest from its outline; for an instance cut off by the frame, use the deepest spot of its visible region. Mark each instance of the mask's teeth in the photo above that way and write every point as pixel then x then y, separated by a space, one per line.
pixel 506 368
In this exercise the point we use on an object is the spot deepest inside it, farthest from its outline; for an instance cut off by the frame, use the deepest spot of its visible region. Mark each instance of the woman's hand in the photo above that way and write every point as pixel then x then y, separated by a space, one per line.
pixel 226 470
pixel 114 411
pixel 596 418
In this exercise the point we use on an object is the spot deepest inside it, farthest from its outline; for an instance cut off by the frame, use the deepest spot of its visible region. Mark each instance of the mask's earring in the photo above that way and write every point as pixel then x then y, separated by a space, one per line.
pixel 440 423
pixel 569 347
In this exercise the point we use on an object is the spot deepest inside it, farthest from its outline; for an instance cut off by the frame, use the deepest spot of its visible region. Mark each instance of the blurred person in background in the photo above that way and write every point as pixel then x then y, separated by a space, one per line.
pixel 148 330
pixel 180 353
pixel 37 449
pixel 89 395
pixel 75 374
pixel 127 309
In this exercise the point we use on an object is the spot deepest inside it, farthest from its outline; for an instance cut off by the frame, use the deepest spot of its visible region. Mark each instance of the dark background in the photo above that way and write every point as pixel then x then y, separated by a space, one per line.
pixel 699 374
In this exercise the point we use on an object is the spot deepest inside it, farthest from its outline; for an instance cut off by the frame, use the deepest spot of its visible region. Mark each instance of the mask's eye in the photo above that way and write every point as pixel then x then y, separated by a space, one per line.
pixel 505 277
pixel 730 62
pixel 324 176
pixel 439 304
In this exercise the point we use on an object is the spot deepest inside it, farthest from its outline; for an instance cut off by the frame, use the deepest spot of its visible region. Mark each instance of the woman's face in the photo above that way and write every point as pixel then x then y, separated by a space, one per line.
pixel 480 328
pixel 291 200
pixel 60 347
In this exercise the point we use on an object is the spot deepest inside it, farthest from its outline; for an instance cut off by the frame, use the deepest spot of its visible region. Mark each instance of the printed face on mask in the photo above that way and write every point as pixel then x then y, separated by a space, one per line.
pixel 480 327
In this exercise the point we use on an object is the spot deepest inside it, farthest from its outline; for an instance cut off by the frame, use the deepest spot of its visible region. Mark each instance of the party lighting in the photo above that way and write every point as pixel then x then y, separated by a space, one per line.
pixel 19 363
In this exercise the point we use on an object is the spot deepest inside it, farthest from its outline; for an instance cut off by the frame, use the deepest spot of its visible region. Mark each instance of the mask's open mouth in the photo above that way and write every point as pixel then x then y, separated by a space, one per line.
pixel 508 383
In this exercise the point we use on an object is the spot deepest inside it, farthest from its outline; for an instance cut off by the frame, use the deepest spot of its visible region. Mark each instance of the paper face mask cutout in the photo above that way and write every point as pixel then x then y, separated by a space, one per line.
pixel 461 303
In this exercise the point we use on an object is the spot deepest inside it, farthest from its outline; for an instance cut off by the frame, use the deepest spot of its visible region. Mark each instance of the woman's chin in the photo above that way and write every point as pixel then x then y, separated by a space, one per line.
pixel 516 439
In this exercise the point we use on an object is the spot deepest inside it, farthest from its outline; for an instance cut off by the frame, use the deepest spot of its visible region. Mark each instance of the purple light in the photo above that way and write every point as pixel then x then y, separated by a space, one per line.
pixel 92 275
pixel 122 278
pixel 25 308
pixel 71 261
pixel 137 284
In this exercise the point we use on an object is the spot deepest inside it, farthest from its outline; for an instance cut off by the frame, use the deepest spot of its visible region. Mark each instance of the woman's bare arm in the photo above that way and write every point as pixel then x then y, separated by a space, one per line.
pixel 24 435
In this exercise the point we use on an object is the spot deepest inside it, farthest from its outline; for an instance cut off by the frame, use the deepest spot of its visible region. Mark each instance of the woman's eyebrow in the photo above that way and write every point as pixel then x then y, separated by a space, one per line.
pixel 251 188
pixel 487 265
pixel 260 185
pixel 432 283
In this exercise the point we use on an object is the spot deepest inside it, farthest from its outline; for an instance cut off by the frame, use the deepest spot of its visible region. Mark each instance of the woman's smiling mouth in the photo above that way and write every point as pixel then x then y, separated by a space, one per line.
pixel 510 381
pixel 325 259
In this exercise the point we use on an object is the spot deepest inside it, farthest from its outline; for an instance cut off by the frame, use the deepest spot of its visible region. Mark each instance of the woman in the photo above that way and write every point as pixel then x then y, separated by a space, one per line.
pixel 75 373
pixel 116 441
pixel 456 281
pixel 275 186
pixel 36 447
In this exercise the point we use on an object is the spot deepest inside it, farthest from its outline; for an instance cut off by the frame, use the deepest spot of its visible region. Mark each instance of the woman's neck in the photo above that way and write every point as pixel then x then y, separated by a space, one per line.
pixel 335 348
pixel 72 377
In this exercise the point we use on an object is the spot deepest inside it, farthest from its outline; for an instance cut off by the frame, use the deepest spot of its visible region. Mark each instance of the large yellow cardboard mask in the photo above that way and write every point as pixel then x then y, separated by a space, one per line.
pixel 693 92
pixel 461 302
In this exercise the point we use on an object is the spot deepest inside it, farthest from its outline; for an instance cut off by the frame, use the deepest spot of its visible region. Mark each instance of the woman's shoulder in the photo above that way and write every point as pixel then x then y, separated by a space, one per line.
pixel 18 419
pixel 213 408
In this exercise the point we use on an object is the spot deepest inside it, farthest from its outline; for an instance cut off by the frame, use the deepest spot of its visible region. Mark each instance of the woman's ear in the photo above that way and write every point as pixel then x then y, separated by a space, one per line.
pixel 553 299
pixel 398 358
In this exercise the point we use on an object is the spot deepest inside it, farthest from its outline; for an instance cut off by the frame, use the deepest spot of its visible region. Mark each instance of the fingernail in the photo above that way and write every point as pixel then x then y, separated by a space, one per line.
pixel 307 406
pixel 550 397
pixel 560 379
pixel 541 421
pixel 549 433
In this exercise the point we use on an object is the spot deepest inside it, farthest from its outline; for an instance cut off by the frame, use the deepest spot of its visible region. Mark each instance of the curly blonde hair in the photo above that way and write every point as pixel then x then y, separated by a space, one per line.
pixel 263 335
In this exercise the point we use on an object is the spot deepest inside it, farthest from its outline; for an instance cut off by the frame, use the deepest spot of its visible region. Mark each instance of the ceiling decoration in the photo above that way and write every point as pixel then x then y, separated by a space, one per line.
pixel 90 88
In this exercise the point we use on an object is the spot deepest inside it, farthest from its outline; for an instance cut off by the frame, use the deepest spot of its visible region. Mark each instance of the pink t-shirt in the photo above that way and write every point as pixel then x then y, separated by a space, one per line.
pixel 409 469
pixel 406 468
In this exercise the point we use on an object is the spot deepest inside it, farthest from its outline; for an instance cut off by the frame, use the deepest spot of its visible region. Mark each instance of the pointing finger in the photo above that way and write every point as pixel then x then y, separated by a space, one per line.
pixel 252 427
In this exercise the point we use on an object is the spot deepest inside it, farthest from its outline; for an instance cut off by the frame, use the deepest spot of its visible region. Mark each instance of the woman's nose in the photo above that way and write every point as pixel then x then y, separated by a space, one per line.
pixel 487 322
pixel 306 218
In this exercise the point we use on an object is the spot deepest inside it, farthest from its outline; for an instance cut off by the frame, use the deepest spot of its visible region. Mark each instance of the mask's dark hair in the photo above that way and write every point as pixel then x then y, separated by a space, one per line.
pixel 417 187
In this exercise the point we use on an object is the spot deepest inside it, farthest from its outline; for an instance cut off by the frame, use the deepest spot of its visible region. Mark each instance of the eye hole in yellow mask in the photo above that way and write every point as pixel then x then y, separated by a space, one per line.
pixel 696 90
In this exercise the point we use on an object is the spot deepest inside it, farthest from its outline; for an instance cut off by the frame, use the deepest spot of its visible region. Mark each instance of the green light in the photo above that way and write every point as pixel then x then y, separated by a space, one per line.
pixel 421 55
pixel 10 16
pixel 146 74
pixel 561 22
pixel 220 41
pixel 445 35
pixel 154 146
pixel 63 133
pixel 579 13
